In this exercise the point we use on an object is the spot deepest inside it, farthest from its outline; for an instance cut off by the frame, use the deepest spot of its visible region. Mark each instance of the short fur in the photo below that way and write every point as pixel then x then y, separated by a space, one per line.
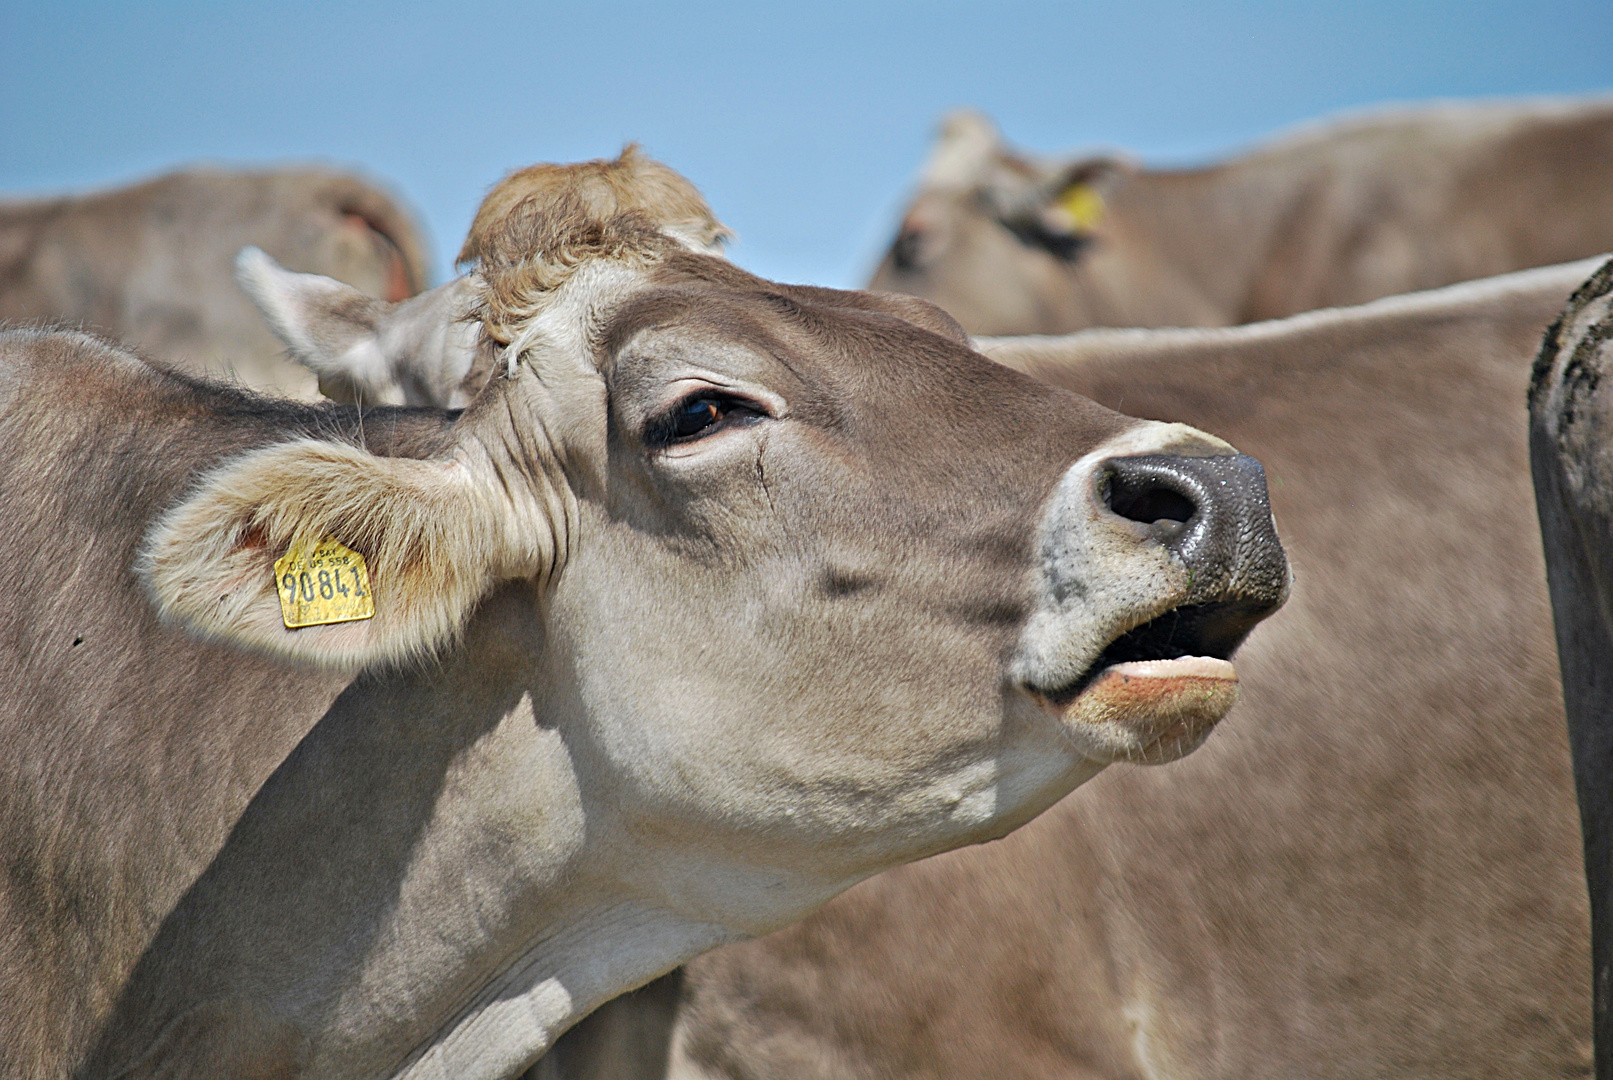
pixel 433 548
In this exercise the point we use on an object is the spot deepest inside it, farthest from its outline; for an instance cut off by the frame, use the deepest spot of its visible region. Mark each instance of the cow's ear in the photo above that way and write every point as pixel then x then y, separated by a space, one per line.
pixel 432 537
pixel 328 327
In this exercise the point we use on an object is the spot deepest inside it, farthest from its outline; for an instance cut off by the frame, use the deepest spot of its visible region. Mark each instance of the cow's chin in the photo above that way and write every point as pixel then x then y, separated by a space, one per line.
pixel 1149 712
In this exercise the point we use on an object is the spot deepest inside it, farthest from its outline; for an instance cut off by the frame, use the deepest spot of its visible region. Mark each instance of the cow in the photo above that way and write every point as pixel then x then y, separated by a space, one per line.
pixel 1570 440
pixel 424 351
pixel 151 263
pixel 1339 213
pixel 389 742
pixel 1374 868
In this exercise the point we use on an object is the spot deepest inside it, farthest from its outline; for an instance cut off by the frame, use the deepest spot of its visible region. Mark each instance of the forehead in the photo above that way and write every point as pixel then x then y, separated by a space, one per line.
pixel 845 360
pixel 701 306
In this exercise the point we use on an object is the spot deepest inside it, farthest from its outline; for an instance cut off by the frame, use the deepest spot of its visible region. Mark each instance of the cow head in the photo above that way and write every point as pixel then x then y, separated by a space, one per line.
pixel 994 237
pixel 818 587
pixel 423 351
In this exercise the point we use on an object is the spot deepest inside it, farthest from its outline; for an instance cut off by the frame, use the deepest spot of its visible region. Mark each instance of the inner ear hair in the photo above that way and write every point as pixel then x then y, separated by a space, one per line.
pixel 433 544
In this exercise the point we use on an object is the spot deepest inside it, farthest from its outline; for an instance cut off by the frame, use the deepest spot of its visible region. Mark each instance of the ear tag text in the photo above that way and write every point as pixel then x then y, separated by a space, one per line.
pixel 326 584
pixel 1083 204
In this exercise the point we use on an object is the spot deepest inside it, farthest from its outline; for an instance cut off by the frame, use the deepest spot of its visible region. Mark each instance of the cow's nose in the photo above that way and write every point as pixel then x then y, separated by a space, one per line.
pixel 1212 513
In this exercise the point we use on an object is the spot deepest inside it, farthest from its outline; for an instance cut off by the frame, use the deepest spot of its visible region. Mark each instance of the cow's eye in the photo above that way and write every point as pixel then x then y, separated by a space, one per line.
pixel 700 414
pixel 695 415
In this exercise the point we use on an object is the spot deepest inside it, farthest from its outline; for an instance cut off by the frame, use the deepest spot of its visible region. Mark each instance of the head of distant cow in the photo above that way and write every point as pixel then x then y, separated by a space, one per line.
pixel 993 236
pixel 805 566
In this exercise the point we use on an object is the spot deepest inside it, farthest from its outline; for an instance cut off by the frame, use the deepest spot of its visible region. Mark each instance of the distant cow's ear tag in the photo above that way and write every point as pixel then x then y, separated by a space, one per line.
pixel 327 583
pixel 1083 204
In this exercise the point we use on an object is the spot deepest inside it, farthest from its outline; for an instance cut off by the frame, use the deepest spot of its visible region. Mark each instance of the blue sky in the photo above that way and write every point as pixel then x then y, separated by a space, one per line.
pixel 803 124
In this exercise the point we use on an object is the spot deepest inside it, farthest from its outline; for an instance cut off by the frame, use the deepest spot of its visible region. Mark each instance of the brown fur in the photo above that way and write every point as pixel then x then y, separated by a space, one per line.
pixel 90 866
pixel 531 251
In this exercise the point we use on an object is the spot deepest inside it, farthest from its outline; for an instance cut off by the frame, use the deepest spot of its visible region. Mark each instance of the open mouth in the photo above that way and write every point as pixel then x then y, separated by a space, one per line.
pixel 1156 691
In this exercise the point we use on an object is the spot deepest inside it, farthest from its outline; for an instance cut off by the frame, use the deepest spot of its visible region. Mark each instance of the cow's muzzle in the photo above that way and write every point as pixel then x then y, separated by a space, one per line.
pixel 1154 569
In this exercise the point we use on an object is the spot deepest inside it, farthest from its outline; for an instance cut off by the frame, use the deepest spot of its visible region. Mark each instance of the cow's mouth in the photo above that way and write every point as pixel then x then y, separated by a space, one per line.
pixel 1156 691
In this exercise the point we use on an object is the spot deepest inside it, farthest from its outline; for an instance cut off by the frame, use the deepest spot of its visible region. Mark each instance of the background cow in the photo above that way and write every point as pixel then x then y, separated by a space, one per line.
pixel 1336 214
pixel 722 596
pixel 1373 870
pixel 1571 452
pixel 152 263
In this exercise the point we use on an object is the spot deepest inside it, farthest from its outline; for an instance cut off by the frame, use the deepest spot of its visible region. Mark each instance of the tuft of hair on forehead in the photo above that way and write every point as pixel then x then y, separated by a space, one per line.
pixel 632 182
pixel 541 224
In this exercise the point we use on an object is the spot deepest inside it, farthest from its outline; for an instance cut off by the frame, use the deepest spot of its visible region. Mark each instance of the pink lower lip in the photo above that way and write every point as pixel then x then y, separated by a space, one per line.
pixel 1183 667
pixel 1151 711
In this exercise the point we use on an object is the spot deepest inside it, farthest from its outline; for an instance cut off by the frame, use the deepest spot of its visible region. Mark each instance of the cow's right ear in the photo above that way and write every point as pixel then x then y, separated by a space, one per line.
pixel 328 327
pixel 433 535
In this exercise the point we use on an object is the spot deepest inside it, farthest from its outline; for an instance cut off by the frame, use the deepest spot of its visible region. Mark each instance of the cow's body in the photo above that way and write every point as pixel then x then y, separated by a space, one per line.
pixel 152 263
pixel 1395 891
pixel 543 788
pixel 1342 213
pixel 1571 453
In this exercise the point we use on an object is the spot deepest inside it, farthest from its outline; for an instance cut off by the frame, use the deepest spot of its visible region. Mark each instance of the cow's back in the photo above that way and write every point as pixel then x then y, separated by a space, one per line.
pixel 1427 198
pixel 153 264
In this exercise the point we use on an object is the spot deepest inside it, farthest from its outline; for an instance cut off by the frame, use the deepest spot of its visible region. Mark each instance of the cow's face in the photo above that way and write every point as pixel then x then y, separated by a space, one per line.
pixel 820 588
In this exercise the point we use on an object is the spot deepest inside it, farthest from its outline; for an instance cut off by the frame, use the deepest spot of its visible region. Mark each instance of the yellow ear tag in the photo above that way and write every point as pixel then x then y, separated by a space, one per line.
pixel 1084 205
pixel 328 584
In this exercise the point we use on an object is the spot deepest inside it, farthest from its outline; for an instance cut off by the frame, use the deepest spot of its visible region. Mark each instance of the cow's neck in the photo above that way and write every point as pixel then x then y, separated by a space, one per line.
pixel 1212 230
pixel 601 950
pixel 413 875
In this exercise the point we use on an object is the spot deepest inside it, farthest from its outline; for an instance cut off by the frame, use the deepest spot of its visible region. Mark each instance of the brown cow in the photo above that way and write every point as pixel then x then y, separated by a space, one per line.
pixel 1571 453
pixel 1341 213
pixel 151 263
pixel 1374 870
pixel 721 596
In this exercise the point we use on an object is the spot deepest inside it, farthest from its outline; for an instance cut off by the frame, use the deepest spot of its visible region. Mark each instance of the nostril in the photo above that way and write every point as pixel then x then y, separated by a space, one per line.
pixel 1145 500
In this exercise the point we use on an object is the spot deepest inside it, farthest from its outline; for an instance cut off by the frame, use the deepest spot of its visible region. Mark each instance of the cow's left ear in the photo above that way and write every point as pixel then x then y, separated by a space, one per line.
pixel 432 538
